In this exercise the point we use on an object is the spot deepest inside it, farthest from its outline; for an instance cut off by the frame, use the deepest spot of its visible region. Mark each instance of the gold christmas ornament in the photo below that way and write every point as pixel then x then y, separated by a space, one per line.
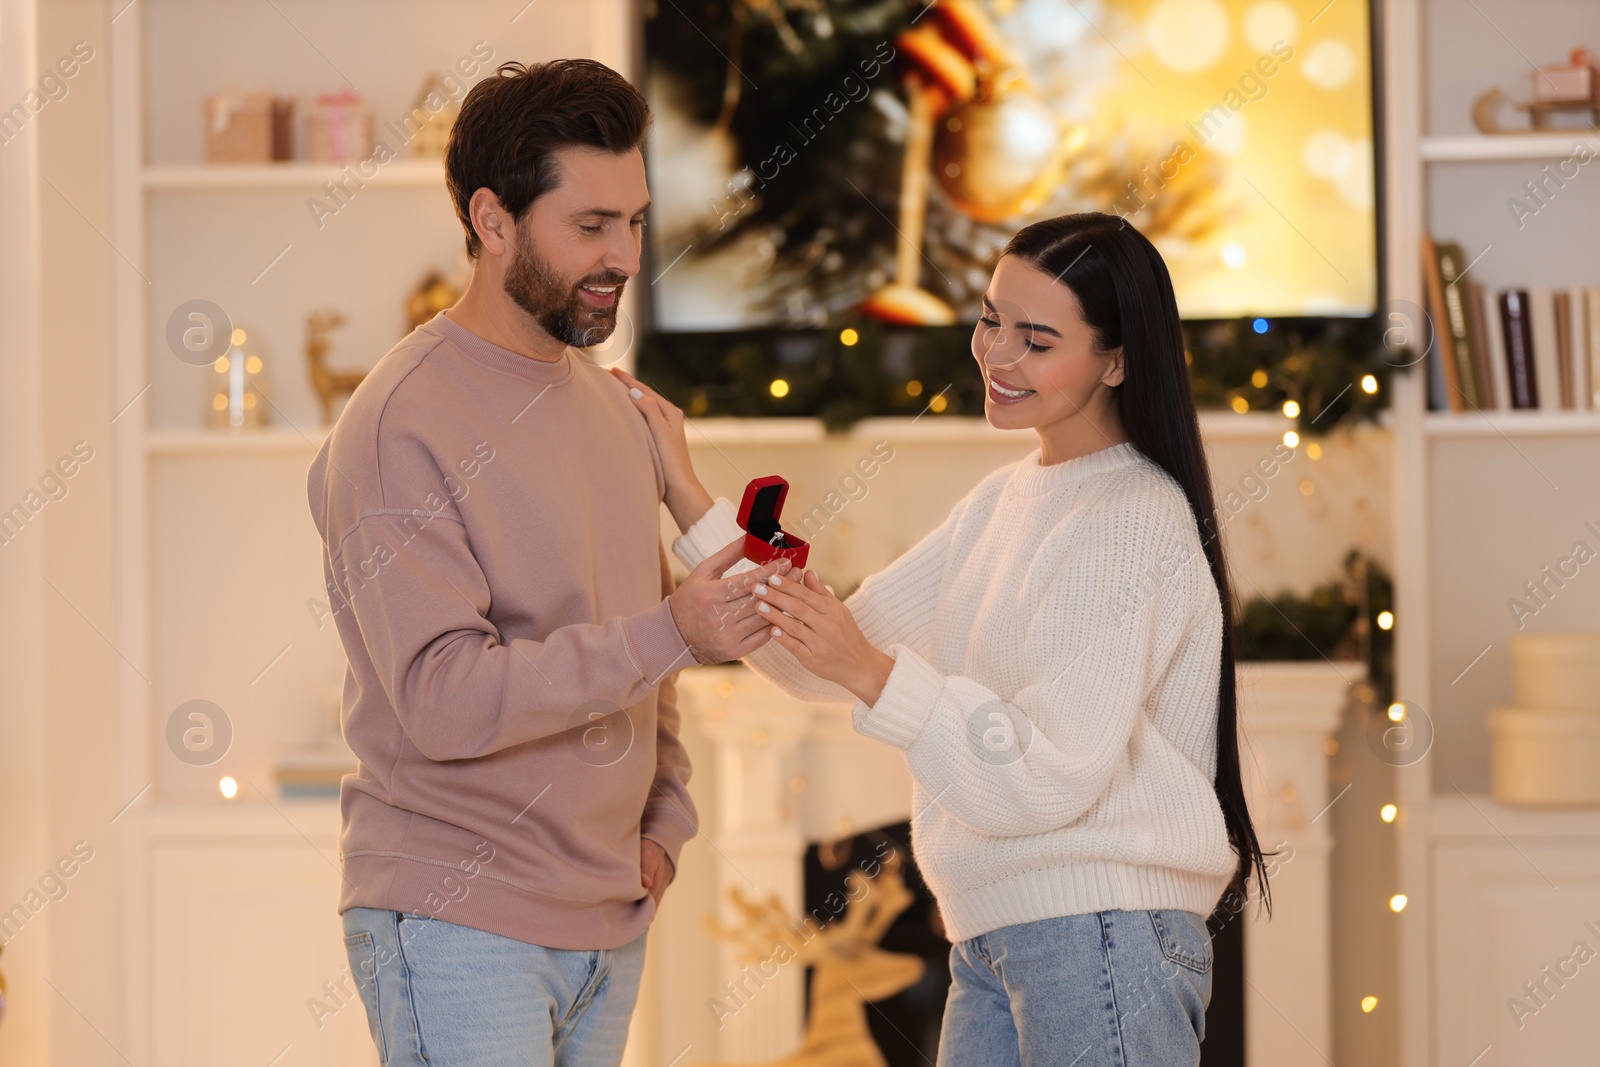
pixel 328 384
pixel 904 301
pixel 432 295
pixel 989 139
pixel 908 305
pixel 999 154
pixel 849 969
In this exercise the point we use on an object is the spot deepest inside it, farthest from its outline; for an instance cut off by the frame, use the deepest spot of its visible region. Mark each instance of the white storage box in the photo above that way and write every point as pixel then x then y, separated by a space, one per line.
pixel 1546 757
pixel 1556 670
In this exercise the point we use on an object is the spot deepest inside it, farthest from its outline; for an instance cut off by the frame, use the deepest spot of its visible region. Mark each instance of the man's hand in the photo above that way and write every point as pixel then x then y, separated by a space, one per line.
pixel 717 616
pixel 655 870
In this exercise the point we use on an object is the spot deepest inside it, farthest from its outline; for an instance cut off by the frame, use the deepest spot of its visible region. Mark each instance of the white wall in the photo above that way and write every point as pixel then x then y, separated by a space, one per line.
pixel 73 1013
pixel 25 840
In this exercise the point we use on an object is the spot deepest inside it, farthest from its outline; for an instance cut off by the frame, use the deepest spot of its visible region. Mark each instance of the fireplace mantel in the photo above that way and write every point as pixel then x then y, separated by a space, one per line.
pixel 792 773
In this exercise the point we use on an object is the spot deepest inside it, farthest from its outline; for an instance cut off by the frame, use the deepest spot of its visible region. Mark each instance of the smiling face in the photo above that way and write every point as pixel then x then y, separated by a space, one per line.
pixel 578 244
pixel 1040 368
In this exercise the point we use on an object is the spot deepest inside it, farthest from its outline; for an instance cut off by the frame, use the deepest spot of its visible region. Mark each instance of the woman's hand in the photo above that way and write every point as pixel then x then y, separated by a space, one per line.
pixel 809 621
pixel 686 498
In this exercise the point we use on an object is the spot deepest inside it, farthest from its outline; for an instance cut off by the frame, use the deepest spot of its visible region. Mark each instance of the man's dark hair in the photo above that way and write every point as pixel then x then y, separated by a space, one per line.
pixel 511 125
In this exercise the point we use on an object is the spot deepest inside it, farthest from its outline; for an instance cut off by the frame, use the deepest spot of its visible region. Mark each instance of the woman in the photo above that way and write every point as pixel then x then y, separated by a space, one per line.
pixel 1055 663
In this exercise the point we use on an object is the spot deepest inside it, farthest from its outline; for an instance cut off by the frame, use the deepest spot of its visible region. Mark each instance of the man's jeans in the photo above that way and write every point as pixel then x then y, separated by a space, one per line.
pixel 1104 989
pixel 450 996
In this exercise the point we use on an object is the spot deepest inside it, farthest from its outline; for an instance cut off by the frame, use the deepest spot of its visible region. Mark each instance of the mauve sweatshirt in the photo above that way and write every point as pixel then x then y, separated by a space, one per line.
pixel 493 559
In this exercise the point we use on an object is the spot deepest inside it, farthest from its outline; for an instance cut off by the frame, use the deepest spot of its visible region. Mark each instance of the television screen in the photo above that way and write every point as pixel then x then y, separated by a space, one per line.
pixel 817 161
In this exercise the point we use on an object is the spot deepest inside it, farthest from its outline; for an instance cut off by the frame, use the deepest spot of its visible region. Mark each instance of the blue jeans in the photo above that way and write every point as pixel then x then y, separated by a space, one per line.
pixel 1107 989
pixel 451 996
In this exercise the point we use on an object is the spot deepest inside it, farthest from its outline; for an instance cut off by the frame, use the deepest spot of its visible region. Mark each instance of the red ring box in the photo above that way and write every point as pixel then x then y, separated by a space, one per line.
pixel 758 516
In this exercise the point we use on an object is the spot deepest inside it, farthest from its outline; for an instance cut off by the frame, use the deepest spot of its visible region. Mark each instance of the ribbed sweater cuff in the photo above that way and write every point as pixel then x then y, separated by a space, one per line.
pixel 709 534
pixel 653 640
pixel 669 826
pixel 907 700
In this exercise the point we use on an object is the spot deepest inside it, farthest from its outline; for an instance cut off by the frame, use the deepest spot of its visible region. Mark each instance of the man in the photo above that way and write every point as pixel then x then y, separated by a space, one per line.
pixel 489 504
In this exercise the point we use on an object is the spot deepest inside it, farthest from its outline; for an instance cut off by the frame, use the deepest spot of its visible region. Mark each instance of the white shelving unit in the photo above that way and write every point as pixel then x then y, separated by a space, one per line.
pixel 268 441
pixel 210 882
pixel 1478 496
pixel 1480 148
pixel 310 176
pixel 1512 424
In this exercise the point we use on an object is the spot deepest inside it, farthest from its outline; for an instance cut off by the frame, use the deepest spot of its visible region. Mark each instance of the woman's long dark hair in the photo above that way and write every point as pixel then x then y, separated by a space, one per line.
pixel 1126 296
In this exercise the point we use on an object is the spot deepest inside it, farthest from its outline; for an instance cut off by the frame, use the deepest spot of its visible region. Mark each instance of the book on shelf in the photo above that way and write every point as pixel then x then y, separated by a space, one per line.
pixel 1494 347
pixel 1591 338
pixel 1546 368
pixel 1435 284
pixel 1534 347
pixel 1519 348
pixel 1563 310
pixel 1581 360
pixel 1452 273
pixel 1478 328
pixel 1438 393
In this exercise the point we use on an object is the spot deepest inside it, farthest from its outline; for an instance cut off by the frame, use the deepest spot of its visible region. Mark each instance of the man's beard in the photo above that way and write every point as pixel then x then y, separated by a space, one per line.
pixel 555 303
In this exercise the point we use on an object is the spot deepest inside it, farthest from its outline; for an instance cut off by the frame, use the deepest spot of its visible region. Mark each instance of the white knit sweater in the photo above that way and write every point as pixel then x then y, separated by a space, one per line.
pixel 1057 645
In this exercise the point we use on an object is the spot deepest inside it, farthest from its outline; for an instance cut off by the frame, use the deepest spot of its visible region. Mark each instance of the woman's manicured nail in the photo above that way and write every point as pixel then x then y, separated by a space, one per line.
pixel 764 607
pixel 776 632
pixel 776 580
pixel 636 394
pixel 761 590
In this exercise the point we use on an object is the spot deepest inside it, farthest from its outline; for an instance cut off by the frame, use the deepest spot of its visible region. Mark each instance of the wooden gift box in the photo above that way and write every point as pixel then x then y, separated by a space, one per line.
pixel 248 128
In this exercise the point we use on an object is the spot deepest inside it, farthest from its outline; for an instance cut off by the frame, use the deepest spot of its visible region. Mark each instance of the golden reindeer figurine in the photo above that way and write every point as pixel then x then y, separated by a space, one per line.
pixel 329 384
pixel 849 970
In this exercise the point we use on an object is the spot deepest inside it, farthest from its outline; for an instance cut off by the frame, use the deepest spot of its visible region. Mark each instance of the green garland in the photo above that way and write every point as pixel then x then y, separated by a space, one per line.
pixel 1337 620
pixel 1317 363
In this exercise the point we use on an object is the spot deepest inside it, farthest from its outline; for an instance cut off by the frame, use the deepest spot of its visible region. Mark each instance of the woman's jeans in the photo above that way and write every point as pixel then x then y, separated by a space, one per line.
pixel 1108 989
pixel 450 996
